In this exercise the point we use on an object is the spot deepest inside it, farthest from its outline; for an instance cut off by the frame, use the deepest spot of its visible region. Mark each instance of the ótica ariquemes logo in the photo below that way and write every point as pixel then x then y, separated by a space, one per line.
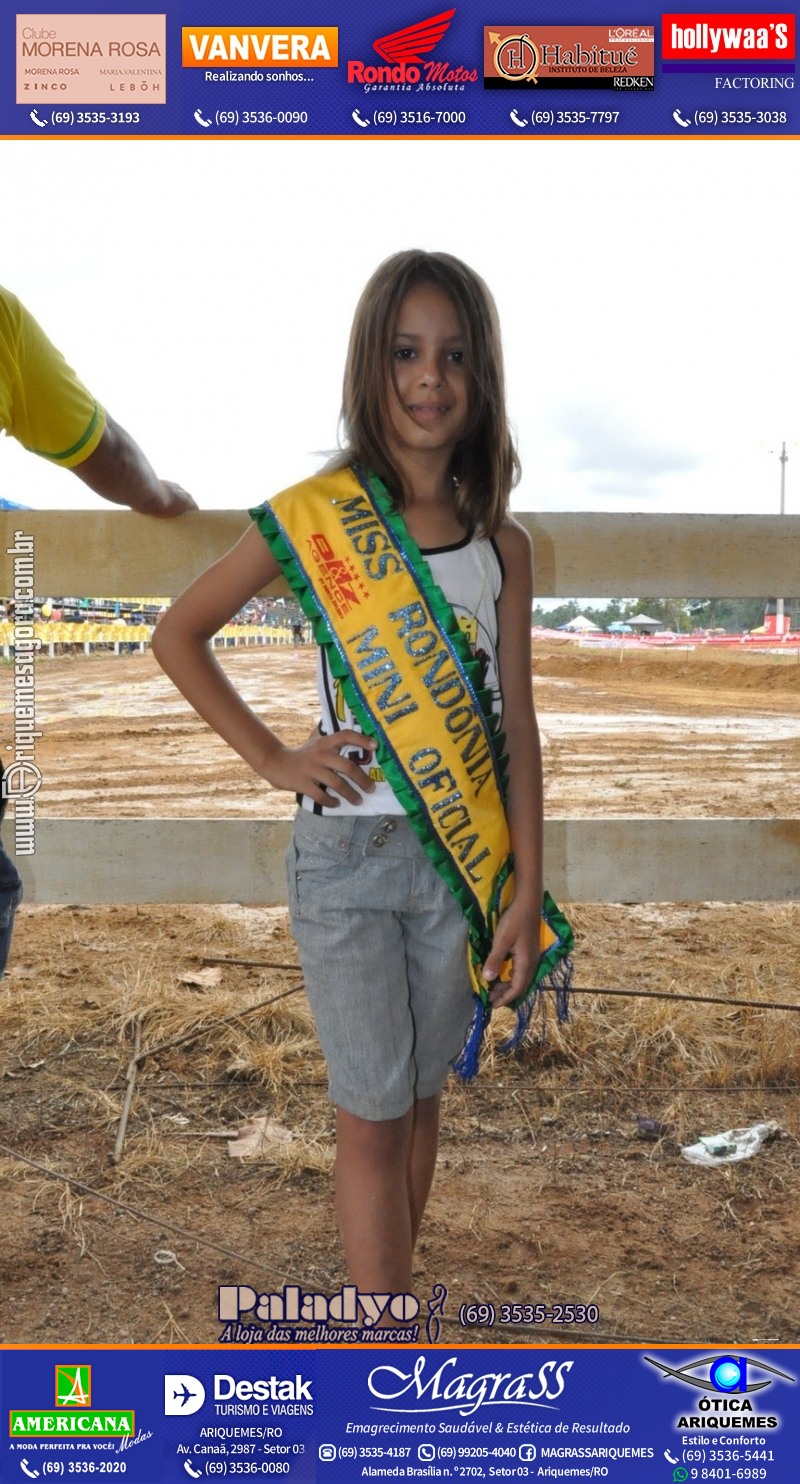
pixel 727 1382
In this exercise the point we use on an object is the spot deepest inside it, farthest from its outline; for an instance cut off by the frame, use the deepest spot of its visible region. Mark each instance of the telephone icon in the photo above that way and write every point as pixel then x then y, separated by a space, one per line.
pixel 679 119
pixel 204 123
pixel 195 1473
pixel 357 119
pixel 32 1473
pixel 515 119
pixel 40 123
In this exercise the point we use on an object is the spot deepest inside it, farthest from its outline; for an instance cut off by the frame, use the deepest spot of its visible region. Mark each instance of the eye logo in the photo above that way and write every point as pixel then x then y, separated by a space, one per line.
pixel 727 1374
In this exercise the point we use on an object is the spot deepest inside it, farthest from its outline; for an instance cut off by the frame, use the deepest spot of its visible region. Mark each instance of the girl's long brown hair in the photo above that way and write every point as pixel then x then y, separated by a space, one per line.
pixel 485 466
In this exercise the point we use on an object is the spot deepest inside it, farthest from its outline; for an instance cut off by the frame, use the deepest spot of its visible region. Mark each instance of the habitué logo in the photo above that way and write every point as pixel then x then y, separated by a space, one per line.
pixel 515 57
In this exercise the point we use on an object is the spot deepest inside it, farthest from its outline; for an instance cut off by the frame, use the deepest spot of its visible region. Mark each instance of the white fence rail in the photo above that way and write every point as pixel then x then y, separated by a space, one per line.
pixel 162 860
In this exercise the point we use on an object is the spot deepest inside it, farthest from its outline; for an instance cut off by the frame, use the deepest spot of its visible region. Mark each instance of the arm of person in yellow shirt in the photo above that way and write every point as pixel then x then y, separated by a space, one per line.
pixel 47 408
pixel 119 471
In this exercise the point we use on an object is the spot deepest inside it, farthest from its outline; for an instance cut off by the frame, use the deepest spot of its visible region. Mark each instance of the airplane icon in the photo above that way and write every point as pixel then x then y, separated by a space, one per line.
pixel 183 1395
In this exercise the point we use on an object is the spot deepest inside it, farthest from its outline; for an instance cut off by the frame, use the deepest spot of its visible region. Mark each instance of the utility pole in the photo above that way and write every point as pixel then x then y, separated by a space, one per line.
pixel 779 620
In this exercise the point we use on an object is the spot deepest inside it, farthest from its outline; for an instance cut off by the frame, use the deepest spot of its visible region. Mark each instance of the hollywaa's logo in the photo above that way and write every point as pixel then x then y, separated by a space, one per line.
pixel 406 62
pixel 692 39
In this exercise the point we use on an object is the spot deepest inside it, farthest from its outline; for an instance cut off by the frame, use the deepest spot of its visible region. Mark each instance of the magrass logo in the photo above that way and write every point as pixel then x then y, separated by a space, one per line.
pixel 728 1384
pixel 405 54
pixel 73 1386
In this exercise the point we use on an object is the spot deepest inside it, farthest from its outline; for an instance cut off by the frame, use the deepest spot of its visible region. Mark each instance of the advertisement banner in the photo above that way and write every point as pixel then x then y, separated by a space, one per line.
pixel 401 1413
pixel 199 71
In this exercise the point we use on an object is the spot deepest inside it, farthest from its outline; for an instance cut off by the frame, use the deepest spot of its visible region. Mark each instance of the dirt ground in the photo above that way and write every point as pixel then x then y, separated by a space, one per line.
pixel 550 1188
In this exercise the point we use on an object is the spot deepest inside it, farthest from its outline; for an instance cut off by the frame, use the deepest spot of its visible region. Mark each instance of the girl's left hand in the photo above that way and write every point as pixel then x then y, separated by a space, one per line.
pixel 516 937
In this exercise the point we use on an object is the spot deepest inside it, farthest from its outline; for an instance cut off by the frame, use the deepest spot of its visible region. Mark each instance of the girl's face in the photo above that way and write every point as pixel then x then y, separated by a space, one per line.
pixel 429 409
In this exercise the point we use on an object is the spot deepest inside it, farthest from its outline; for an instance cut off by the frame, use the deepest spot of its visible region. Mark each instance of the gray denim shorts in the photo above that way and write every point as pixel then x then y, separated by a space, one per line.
pixel 383 946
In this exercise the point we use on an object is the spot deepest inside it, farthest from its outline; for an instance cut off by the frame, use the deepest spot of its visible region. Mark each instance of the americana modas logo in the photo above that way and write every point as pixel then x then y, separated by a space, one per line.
pixel 407 63
pixel 73 1386
pixel 72 1415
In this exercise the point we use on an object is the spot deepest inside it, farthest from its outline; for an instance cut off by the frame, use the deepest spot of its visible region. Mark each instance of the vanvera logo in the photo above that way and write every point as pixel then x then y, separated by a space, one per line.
pixel 449 1389
pixel 260 46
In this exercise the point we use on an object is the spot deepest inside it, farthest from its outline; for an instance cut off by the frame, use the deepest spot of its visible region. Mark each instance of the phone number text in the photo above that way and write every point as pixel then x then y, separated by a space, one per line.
pixel 74 116
pixel 552 117
pixel 735 117
pixel 487 1315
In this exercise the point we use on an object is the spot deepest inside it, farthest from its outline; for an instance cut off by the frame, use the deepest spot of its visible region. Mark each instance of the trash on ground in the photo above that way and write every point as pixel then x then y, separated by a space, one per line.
pixel 650 1128
pixel 202 978
pixel 257 1136
pixel 734 1144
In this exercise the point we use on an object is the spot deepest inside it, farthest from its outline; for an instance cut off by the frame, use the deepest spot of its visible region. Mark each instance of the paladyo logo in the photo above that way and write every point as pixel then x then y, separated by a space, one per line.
pixel 405 55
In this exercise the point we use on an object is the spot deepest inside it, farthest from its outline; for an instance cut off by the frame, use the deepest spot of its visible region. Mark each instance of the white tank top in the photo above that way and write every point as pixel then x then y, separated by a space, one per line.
pixel 470 575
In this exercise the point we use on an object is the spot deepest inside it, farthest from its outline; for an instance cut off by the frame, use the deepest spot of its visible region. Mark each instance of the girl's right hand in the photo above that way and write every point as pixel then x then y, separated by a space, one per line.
pixel 317 768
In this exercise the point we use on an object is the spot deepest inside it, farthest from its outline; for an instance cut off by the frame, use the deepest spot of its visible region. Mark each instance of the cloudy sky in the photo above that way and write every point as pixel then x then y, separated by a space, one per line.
pixel 204 290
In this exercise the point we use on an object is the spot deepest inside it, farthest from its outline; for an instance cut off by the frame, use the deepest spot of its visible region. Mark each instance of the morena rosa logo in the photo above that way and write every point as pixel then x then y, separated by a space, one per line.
pixel 752 40
pixel 406 62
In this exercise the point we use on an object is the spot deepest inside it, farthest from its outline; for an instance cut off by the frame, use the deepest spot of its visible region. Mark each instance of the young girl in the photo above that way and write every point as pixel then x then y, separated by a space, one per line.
pixel 398 791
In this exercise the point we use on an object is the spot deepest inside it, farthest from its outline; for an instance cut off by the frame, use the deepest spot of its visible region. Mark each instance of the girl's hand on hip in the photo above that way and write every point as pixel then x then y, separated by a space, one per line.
pixel 317 768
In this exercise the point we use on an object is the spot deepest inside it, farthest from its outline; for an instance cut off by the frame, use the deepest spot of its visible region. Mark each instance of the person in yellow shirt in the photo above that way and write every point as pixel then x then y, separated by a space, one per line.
pixel 45 406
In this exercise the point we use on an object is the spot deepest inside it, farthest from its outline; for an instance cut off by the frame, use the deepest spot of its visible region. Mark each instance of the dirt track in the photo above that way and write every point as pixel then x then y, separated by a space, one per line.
pixel 546 1192
pixel 635 733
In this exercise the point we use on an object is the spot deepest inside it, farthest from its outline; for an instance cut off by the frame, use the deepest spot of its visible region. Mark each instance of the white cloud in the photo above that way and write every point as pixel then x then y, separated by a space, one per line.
pixel 204 290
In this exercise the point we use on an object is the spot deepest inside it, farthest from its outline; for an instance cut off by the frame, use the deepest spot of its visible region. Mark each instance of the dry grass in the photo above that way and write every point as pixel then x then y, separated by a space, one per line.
pixel 82 981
